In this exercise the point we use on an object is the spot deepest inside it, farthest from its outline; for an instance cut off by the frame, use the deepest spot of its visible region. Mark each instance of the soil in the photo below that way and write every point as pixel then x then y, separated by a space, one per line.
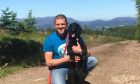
pixel 118 63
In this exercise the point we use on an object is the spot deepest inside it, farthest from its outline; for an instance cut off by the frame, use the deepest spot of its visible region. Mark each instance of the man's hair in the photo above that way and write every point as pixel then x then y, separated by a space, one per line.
pixel 61 16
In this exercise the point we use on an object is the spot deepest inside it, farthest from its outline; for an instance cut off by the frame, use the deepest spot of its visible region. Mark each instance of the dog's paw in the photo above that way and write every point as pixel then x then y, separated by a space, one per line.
pixel 86 82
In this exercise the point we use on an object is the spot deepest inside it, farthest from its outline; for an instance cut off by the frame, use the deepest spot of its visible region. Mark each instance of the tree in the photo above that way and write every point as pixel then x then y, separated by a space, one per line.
pixel 137 33
pixel 14 22
pixel 29 22
pixel 8 19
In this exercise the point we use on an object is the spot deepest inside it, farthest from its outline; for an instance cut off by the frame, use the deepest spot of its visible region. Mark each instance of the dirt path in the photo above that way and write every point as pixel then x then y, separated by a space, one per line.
pixel 118 63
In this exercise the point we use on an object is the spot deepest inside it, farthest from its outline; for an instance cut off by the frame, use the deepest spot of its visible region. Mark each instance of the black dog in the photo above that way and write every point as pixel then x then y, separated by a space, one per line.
pixel 77 70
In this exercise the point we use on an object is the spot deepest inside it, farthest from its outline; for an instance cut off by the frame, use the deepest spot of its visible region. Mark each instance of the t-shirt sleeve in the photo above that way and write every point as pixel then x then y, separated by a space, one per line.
pixel 47 46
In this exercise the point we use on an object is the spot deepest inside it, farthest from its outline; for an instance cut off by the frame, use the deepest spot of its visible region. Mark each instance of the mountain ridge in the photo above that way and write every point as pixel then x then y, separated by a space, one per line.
pixel 47 22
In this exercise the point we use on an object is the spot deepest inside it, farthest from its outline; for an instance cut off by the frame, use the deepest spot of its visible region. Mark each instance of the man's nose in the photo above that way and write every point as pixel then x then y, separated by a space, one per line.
pixel 60 26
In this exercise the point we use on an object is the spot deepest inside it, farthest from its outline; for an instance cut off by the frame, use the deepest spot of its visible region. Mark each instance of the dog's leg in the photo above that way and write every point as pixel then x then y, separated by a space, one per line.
pixel 79 77
pixel 71 73
pixel 71 76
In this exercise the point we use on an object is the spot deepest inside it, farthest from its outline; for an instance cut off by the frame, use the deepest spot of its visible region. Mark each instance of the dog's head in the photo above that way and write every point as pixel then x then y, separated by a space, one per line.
pixel 74 30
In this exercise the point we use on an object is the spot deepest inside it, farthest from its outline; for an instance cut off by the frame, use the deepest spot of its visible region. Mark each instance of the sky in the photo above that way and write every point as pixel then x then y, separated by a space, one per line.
pixel 84 10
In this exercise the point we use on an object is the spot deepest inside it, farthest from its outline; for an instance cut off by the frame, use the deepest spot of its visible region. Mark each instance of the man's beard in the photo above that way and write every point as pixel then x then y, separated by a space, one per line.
pixel 62 36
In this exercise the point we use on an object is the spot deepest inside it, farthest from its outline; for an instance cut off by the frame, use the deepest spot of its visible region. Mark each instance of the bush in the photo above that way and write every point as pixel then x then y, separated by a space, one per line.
pixel 17 51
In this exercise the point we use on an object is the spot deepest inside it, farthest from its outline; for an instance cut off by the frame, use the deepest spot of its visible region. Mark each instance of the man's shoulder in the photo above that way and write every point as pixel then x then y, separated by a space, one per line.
pixel 51 36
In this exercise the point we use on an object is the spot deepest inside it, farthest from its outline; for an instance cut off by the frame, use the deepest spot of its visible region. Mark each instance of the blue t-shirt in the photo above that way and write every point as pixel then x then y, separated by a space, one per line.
pixel 54 44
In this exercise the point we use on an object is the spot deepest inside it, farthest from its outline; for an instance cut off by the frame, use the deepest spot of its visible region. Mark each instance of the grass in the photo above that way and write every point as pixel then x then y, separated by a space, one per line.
pixel 9 70
pixel 96 40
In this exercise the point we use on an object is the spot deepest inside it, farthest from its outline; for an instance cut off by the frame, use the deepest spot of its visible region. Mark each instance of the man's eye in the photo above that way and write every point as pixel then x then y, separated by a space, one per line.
pixel 63 24
pixel 57 24
pixel 60 24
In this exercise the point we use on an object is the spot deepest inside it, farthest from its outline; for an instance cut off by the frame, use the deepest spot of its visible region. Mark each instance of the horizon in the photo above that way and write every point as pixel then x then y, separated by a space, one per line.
pixel 81 20
pixel 88 10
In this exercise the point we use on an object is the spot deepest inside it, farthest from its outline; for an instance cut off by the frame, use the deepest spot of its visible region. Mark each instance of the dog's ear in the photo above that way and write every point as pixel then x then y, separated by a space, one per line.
pixel 75 27
pixel 70 28
pixel 78 28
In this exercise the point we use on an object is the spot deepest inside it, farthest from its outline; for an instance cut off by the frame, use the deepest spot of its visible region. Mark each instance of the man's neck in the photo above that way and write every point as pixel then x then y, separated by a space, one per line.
pixel 62 36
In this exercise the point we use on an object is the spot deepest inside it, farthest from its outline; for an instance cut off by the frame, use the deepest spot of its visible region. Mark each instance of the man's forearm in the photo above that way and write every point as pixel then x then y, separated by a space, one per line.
pixel 56 62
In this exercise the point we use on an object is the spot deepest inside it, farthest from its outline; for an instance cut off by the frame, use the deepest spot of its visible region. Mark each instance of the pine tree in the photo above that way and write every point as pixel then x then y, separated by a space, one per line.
pixel 29 22
pixel 14 22
pixel 8 19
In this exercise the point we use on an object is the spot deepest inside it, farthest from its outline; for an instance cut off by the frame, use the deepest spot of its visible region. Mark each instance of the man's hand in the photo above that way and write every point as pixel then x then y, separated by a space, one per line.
pixel 77 49
pixel 67 58
pixel 77 58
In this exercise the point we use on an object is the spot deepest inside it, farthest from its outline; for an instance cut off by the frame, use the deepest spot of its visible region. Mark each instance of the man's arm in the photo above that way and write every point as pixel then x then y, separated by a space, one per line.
pixel 54 62
pixel 88 52
pixel 78 49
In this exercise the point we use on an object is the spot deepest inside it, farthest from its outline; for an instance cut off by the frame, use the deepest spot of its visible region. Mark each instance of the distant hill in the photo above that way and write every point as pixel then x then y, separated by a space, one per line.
pixel 45 22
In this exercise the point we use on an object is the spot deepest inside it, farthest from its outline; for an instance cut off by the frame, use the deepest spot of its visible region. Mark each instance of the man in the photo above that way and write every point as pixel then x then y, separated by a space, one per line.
pixel 54 47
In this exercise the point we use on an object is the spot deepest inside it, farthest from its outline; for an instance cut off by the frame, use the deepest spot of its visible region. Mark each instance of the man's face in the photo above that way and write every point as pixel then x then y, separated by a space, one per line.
pixel 60 25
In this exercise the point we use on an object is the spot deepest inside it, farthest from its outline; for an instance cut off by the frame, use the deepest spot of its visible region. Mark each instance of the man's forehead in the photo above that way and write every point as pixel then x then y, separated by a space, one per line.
pixel 62 20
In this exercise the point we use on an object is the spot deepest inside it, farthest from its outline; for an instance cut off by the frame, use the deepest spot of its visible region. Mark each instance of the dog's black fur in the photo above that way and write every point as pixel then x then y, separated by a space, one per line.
pixel 77 70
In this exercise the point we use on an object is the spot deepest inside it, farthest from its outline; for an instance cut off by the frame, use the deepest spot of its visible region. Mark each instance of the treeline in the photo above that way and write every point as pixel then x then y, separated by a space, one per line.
pixel 8 21
pixel 127 32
